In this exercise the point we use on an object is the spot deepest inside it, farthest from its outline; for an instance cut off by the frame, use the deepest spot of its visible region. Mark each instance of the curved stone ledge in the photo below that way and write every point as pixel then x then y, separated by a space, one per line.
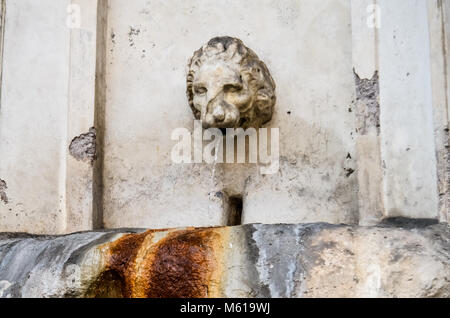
pixel 309 260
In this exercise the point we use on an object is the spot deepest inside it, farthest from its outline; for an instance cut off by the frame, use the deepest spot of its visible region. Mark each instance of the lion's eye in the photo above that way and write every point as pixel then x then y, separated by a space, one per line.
pixel 231 88
pixel 200 90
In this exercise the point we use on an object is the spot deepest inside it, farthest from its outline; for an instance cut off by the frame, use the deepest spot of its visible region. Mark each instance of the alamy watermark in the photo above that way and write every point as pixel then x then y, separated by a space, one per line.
pixel 190 149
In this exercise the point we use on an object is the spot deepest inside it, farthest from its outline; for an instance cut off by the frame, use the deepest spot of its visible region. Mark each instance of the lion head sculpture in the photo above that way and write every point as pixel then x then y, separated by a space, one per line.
pixel 228 86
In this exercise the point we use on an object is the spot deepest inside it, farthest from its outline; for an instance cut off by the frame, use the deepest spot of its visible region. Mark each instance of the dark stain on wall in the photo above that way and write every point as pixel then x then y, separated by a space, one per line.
pixel 182 266
pixel 179 265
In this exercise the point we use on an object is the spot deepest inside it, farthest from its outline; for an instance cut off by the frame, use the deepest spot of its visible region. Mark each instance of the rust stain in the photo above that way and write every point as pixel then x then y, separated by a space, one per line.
pixel 162 264
pixel 180 267
pixel 116 278
pixel 122 254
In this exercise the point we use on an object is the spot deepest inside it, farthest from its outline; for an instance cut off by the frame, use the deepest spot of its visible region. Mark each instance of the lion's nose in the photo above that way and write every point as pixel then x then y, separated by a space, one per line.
pixel 219 114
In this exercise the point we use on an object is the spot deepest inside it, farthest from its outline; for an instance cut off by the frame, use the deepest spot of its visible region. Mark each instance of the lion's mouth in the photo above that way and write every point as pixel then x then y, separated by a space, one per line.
pixel 242 122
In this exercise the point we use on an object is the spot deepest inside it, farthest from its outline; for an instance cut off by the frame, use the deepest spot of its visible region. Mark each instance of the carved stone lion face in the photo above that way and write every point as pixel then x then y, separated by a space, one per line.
pixel 229 87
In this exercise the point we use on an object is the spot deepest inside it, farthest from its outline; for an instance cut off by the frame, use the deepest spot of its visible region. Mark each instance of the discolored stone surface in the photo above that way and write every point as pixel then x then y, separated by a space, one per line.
pixel 397 259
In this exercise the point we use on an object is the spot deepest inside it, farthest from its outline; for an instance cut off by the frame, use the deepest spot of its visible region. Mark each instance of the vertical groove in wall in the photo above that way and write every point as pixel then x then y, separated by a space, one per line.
pixel 377 38
pixel 63 204
pixel 100 101
pixel 2 35
pixel 379 209
pixel 445 201
pixel 438 42
pixel 366 110
pixel 446 159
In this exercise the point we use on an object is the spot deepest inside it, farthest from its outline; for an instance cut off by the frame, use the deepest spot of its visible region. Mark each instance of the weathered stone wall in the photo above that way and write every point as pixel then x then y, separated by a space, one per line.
pixel 87 110
pixel 399 259
pixel 307 47
pixel 33 116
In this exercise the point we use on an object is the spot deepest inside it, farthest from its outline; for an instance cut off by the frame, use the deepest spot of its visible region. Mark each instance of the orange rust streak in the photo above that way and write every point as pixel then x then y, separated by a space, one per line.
pixel 122 254
pixel 184 263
